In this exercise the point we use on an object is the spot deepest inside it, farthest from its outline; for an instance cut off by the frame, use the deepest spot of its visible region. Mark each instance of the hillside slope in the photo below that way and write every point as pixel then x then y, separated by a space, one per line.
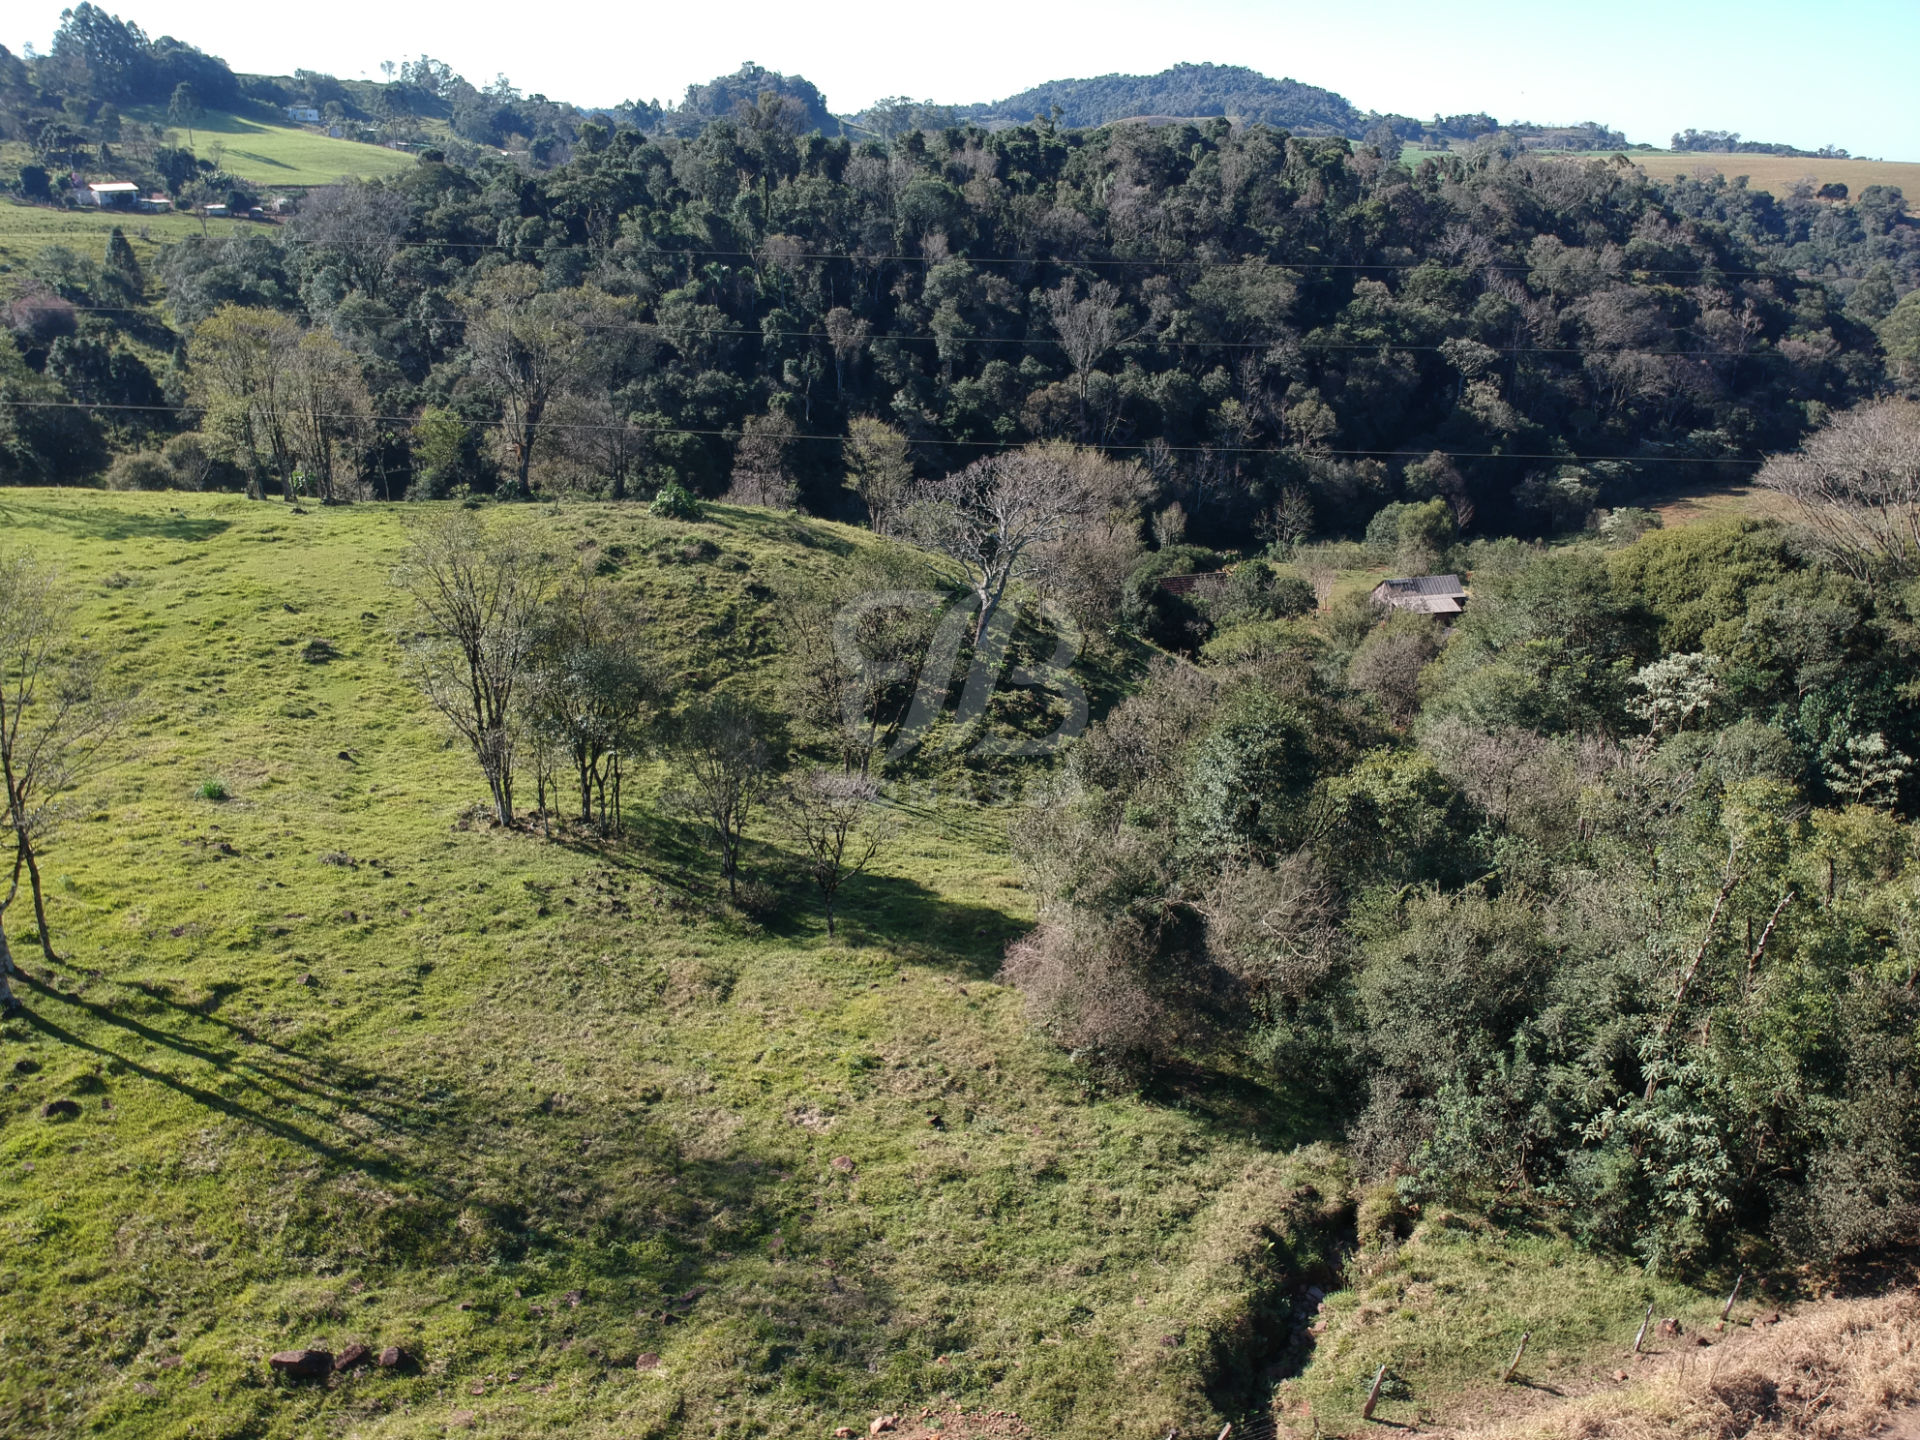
pixel 269 154
pixel 351 1070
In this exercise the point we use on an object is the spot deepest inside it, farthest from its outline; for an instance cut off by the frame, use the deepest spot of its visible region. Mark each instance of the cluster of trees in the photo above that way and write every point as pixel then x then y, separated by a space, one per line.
pixel 1728 142
pixel 1599 908
pixel 542 667
pixel 1261 318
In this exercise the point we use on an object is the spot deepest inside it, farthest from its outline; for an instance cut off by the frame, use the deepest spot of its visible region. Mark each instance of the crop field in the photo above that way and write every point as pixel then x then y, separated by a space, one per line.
pixel 269 154
pixel 603 1154
pixel 1776 174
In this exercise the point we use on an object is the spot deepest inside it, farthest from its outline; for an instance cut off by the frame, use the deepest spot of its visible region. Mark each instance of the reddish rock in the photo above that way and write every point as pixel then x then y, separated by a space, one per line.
pixel 302 1364
pixel 1620 1375
pixel 391 1358
pixel 648 1361
pixel 844 1432
pixel 1772 1317
pixel 884 1423
pixel 1670 1326
pixel 843 1163
pixel 351 1356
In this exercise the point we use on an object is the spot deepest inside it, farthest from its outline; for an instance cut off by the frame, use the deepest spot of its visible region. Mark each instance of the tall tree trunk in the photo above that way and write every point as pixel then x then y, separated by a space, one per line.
pixel 39 900
pixel 9 1002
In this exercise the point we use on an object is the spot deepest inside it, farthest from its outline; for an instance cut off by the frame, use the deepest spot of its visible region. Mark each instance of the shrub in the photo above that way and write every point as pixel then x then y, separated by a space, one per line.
pixel 139 470
pixel 675 502
pixel 215 790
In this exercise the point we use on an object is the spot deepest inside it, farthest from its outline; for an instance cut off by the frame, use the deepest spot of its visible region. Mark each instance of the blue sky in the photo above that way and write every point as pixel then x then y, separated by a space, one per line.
pixel 1839 73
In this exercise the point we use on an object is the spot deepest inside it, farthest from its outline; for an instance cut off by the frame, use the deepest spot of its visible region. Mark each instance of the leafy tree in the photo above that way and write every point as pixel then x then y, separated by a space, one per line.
pixel 725 763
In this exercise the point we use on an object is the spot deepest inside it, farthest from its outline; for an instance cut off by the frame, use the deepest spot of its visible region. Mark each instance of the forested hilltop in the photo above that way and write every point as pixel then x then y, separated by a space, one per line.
pixel 1255 315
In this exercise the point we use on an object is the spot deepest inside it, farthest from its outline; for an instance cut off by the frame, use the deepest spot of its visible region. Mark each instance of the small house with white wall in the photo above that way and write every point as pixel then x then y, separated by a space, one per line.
pixel 113 194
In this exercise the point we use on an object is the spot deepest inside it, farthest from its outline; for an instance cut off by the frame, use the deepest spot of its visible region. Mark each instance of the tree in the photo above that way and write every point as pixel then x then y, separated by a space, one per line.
pixel 593 695
pixel 55 715
pixel 184 109
pixel 328 412
pixel 1855 483
pixel 529 346
pixel 478 592
pixel 878 468
pixel 240 361
pixel 836 820
pixel 726 768
pixel 1087 328
pixel 996 517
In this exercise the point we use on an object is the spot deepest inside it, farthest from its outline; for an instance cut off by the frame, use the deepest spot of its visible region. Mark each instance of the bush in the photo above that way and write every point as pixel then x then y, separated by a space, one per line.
pixel 675 502
pixel 139 470
pixel 215 790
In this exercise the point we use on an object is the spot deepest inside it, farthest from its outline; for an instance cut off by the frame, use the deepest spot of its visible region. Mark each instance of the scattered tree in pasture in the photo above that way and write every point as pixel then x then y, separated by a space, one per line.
pixel 480 592
pixel 878 468
pixel 56 714
pixel 725 764
pixel 591 698
pixel 837 821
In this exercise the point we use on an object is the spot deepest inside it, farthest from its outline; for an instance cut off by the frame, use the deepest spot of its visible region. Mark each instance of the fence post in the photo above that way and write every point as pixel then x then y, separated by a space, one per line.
pixel 1643 1328
pixel 1727 1309
pixel 1514 1364
pixel 1373 1395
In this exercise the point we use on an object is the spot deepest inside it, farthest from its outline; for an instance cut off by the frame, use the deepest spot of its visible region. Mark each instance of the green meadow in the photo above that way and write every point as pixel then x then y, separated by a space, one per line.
pixel 604 1155
pixel 270 154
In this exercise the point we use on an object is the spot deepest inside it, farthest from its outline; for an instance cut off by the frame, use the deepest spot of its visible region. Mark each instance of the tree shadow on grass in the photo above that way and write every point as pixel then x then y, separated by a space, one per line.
pixel 276 1085
pixel 1246 1107
pixel 104 522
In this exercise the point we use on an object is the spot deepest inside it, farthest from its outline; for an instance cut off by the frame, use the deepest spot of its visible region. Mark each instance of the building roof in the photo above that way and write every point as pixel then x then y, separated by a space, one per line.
pixel 115 187
pixel 1425 585
pixel 1423 594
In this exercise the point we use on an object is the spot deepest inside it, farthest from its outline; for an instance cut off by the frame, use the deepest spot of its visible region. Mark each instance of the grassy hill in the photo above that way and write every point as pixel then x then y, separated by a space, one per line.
pixel 27 229
pixel 269 154
pixel 608 1157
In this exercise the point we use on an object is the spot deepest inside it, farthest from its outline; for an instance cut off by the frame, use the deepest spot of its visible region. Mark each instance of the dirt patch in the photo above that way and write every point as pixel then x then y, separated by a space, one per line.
pixel 1836 1370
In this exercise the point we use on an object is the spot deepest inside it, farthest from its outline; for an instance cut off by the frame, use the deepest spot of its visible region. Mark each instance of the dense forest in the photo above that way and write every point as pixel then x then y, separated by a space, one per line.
pixel 1286 330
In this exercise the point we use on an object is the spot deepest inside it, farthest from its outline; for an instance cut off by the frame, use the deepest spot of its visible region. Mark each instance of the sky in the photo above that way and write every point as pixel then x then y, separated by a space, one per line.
pixel 1836 73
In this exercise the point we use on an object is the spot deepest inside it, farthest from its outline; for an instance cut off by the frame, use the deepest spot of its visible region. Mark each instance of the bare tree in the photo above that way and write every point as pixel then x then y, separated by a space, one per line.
pixel 1087 328
pixel 763 463
pixel 996 518
pixel 329 413
pixel 727 769
pixel 478 593
pixel 54 718
pixel 841 829
pixel 360 225
pixel 1855 484
pixel 596 446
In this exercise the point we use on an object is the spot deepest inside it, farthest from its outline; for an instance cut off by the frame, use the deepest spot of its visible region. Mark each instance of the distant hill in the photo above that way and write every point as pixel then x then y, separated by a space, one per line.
pixel 1233 91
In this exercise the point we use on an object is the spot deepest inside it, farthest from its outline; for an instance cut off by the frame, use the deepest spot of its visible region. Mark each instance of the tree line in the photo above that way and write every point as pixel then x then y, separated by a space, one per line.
pixel 1253 315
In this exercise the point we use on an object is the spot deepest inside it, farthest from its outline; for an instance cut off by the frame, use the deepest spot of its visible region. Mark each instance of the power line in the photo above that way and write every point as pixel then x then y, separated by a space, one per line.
pixel 937 444
pixel 652 252
pixel 1304 341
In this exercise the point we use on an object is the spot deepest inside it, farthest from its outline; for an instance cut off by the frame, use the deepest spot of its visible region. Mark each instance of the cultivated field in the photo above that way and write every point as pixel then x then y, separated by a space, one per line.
pixel 1776 174
pixel 269 154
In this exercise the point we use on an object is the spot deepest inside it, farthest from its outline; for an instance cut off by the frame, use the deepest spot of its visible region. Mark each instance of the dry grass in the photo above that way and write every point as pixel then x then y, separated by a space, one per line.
pixel 1844 1368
